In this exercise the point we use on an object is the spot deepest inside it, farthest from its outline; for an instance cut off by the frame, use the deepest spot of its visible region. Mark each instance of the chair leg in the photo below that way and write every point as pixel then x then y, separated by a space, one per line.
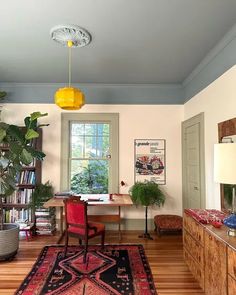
pixel 80 242
pixel 66 243
pixel 85 249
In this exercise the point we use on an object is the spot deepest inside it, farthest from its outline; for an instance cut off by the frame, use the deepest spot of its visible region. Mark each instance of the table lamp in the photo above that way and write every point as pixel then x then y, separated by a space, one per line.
pixel 225 172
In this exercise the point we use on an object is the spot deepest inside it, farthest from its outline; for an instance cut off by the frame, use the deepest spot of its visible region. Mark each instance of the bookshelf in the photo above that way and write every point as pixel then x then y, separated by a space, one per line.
pixel 16 207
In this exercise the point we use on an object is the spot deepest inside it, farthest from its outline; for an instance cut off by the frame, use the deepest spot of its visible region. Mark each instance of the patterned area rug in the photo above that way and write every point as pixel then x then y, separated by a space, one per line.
pixel 118 269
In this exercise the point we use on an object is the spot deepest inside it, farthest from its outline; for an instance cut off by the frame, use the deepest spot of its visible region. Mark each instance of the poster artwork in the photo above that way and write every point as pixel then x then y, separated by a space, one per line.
pixel 150 160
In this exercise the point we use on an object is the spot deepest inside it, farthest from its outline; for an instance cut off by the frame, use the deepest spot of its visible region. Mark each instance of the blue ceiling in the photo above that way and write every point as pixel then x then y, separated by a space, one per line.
pixel 142 52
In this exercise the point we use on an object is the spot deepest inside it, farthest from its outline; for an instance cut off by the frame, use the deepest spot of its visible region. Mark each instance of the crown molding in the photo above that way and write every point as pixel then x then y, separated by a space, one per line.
pixel 97 93
pixel 224 42
pixel 220 59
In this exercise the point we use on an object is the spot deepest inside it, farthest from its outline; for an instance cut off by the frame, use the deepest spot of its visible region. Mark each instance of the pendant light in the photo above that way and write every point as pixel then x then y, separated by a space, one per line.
pixel 71 36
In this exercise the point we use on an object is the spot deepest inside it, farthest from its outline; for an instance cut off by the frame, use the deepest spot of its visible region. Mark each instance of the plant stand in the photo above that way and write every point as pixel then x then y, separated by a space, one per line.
pixel 146 235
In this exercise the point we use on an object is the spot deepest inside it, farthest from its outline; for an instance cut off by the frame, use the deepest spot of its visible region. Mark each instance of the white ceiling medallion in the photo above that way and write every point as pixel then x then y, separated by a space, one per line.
pixel 62 33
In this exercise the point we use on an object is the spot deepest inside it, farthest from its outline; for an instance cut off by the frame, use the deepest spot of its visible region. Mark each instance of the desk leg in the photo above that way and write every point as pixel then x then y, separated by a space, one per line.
pixel 61 220
pixel 119 224
pixel 62 232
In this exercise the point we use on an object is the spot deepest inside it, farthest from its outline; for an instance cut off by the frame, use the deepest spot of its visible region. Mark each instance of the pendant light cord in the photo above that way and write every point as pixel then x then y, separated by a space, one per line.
pixel 69 44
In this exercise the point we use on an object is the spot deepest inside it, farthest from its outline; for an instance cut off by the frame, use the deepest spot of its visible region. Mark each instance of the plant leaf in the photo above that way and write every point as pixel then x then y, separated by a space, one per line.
pixel 15 147
pixel 36 154
pixel 16 133
pixel 36 115
pixel 27 121
pixel 31 133
pixel 26 157
pixel 2 94
pixel 6 189
pixel 2 134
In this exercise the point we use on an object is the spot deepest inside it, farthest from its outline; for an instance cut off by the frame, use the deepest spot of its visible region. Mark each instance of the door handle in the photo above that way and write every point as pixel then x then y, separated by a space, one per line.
pixel 195 188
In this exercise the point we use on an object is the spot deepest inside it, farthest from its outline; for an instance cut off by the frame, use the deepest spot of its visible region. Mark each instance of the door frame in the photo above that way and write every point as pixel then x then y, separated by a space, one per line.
pixel 198 119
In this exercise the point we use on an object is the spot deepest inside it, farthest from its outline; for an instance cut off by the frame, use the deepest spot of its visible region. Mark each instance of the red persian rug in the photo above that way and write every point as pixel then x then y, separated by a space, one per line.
pixel 117 270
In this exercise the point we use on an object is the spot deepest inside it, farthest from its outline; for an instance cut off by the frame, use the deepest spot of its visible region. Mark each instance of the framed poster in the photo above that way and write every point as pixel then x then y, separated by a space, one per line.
pixel 150 163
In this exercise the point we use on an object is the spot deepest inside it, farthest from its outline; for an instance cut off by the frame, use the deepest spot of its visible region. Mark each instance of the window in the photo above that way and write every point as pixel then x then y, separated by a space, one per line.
pixel 90 153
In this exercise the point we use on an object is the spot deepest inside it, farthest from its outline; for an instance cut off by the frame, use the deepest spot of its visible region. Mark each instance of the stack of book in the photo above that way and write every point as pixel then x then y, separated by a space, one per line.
pixel 45 221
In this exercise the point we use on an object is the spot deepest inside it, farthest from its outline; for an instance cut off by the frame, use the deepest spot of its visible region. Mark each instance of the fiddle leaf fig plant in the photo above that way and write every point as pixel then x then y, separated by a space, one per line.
pixel 16 151
pixel 2 94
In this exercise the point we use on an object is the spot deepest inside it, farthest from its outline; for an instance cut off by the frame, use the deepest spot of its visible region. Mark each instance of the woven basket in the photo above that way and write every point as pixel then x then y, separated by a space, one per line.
pixel 9 240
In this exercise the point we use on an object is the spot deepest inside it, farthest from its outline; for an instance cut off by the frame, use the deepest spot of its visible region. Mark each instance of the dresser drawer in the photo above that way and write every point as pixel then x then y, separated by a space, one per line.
pixel 231 286
pixel 232 262
pixel 215 265
pixel 194 228
pixel 193 247
pixel 195 268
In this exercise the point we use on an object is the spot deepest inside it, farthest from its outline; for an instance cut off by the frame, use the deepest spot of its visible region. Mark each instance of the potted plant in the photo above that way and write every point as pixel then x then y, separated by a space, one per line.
pixel 146 194
pixel 16 151
pixel 42 193
pixel 2 96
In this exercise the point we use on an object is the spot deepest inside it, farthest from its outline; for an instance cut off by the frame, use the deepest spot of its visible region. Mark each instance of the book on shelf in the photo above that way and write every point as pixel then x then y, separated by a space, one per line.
pixel 26 177
pixel 45 209
pixel 45 224
pixel 45 232
pixel 12 215
pixel 48 213
pixel 63 195
pixel 46 219
pixel 20 196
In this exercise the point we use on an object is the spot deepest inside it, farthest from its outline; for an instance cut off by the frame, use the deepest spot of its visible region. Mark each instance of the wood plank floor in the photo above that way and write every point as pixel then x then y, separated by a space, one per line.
pixel 165 256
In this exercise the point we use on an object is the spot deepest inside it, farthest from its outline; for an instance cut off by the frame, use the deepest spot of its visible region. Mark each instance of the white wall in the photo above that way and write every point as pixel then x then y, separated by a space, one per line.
pixel 136 122
pixel 218 102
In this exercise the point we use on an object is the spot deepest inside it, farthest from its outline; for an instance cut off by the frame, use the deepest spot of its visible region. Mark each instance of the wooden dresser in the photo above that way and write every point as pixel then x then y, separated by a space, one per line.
pixel 211 256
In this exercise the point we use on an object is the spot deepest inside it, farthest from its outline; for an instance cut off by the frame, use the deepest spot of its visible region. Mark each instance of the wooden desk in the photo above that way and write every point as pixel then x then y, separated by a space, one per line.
pixel 118 200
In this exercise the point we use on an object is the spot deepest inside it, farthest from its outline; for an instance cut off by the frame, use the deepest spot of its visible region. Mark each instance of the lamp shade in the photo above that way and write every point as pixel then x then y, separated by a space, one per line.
pixel 225 163
pixel 69 98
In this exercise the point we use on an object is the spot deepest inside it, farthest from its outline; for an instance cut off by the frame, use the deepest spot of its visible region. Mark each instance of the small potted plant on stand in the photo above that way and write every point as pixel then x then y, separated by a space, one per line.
pixel 146 194
pixel 15 152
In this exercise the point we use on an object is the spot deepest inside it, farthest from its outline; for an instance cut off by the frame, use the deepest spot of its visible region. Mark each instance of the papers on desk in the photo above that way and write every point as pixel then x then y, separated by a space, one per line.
pixel 83 197
pixel 95 197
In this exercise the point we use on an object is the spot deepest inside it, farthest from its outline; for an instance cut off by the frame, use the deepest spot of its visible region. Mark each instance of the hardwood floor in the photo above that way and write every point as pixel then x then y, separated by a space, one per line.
pixel 165 256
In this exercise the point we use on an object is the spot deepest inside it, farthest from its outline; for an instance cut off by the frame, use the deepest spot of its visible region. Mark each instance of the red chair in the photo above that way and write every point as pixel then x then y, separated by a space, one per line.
pixel 77 224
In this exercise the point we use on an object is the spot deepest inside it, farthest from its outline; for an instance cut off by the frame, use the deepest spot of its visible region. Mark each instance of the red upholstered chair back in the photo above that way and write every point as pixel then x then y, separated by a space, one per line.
pixel 75 211
pixel 78 225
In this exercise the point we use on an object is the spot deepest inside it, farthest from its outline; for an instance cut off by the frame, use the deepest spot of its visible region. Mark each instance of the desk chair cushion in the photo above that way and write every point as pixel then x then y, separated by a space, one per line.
pixel 93 229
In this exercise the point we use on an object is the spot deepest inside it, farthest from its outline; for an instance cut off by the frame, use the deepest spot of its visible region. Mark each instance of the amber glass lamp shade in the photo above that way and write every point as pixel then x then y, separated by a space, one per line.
pixel 69 98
